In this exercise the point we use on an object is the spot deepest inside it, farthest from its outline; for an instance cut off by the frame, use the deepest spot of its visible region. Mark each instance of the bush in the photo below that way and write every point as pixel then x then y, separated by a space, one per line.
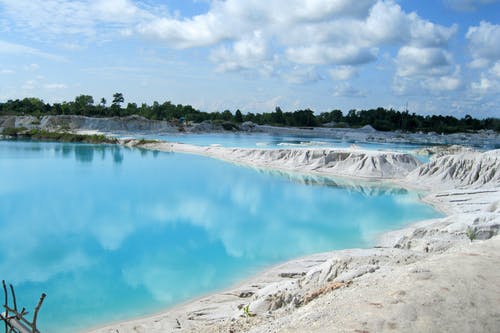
pixel 145 141
pixel 229 126
pixel 471 233
pixel 13 131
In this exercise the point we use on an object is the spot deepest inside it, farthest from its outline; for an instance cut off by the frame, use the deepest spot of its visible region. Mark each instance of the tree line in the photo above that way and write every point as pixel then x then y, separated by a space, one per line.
pixel 380 118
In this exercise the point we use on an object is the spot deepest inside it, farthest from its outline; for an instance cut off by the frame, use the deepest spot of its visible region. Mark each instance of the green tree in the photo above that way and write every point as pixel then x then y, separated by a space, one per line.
pixel 116 104
pixel 84 100
pixel 278 116
pixel 336 115
pixel 238 117
pixel 118 99
pixel 227 115
pixel 84 105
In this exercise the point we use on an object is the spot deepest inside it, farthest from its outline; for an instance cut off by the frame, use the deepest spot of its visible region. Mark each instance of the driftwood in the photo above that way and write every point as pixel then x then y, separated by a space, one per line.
pixel 15 321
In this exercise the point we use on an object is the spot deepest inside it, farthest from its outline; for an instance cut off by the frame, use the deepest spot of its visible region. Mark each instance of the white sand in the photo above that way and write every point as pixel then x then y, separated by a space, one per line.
pixel 340 162
pixel 428 277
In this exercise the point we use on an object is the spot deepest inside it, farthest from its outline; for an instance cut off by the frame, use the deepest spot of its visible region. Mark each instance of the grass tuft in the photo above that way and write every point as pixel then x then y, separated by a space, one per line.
pixel 471 233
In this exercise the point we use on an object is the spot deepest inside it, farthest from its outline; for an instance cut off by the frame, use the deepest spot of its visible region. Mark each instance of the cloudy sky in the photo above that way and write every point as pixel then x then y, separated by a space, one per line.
pixel 440 56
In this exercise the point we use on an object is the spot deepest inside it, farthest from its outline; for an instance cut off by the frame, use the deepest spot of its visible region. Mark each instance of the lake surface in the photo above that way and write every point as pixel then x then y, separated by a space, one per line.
pixel 111 233
pixel 273 141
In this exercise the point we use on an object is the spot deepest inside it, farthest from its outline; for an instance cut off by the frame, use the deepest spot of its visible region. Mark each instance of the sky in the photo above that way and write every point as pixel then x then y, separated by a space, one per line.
pixel 434 57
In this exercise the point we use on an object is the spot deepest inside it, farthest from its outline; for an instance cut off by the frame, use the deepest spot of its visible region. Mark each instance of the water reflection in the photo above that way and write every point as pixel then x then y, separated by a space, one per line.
pixel 365 187
pixel 66 149
pixel 117 155
pixel 85 153
pixel 104 242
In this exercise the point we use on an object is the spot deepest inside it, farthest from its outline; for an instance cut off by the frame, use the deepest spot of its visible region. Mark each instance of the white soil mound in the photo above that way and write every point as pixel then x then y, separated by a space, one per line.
pixel 465 169
pixel 351 163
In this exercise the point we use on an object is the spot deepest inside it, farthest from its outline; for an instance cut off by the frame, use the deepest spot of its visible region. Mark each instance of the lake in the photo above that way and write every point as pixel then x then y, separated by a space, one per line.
pixel 111 233
pixel 273 141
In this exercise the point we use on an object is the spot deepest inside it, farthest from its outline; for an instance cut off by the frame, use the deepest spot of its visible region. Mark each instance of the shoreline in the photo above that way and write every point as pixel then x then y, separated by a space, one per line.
pixel 283 279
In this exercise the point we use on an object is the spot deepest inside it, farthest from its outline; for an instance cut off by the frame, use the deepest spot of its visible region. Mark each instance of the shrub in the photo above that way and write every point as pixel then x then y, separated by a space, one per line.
pixel 471 233
pixel 13 131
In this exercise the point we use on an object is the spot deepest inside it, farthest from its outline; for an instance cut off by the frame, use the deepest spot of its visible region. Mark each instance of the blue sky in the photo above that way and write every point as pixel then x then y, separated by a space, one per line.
pixel 440 57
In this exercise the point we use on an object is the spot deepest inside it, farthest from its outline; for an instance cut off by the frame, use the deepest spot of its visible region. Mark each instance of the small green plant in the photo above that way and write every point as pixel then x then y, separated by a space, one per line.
pixel 247 312
pixel 145 141
pixel 13 131
pixel 471 233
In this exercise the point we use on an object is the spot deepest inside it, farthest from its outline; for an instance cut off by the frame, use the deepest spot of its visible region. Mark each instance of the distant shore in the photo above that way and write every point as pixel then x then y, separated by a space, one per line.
pixel 141 126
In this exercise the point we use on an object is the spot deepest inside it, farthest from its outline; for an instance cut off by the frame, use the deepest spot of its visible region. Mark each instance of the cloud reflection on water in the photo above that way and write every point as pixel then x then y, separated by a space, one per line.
pixel 166 228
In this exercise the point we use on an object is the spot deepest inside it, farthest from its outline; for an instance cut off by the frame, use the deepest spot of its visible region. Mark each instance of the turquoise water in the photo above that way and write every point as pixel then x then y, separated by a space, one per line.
pixel 111 233
pixel 261 140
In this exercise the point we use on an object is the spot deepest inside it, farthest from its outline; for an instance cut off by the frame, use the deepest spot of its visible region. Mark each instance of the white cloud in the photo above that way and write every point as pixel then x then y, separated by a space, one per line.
pixel 413 61
pixel 55 86
pixel 443 83
pixel 467 5
pixel 30 85
pixel 117 10
pixel 486 85
pixel 346 90
pixel 295 40
pixel 423 83
pixel 484 44
pixel 7 71
pixel 495 70
pixel 18 49
pixel 324 54
pixel 341 73
pixel 244 16
pixel 427 34
pixel 424 63
pixel 323 9
pixel 301 75
pixel 201 30
pixel 402 85
pixel 246 53
pixel 386 23
pixel 315 32
pixel 60 17
pixel 49 16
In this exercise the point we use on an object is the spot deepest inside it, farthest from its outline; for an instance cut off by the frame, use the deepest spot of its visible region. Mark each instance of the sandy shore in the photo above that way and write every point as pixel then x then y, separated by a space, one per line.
pixel 428 277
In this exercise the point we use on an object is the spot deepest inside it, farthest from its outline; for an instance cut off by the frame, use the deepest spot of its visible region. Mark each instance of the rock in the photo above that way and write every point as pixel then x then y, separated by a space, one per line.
pixel 206 126
pixel 368 128
pixel 247 126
